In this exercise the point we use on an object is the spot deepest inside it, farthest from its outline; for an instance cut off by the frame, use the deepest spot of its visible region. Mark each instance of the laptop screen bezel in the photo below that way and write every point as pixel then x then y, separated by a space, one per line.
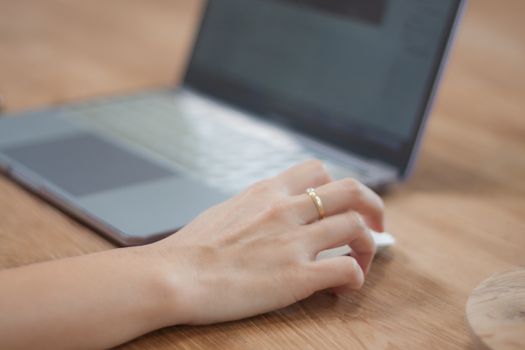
pixel 240 97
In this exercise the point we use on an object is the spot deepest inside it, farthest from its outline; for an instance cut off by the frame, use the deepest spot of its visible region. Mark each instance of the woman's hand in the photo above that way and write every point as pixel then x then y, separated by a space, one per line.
pixel 252 254
pixel 257 252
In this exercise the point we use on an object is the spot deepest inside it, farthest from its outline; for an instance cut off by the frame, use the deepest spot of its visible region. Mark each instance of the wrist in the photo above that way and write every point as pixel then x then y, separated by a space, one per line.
pixel 166 282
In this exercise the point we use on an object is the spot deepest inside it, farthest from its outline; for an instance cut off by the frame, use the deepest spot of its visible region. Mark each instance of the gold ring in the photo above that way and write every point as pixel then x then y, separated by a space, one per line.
pixel 317 202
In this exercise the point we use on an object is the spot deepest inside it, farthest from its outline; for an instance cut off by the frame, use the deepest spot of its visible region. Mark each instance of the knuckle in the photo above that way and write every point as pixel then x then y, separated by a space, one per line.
pixel 319 171
pixel 352 187
pixel 359 223
pixel 315 163
pixel 278 209
pixel 260 187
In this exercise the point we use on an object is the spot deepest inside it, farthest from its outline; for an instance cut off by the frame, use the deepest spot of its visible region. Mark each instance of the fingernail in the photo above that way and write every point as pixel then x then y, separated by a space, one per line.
pixel 360 276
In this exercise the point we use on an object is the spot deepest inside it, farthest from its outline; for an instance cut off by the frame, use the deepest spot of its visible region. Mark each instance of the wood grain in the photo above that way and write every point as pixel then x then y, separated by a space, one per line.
pixel 496 311
pixel 460 219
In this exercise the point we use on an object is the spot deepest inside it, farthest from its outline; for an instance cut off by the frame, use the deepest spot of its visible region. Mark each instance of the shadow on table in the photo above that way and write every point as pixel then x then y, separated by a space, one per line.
pixel 397 299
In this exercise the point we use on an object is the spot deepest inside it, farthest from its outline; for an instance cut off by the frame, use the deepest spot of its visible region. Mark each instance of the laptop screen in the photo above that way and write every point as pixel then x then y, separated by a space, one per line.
pixel 357 74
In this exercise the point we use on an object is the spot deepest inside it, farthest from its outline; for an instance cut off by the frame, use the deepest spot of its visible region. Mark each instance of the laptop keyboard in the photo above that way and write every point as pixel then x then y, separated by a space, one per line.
pixel 212 143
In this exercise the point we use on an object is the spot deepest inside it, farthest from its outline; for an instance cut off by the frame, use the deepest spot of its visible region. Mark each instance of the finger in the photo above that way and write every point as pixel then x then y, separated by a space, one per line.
pixel 343 229
pixel 341 196
pixel 339 272
pixel 297 179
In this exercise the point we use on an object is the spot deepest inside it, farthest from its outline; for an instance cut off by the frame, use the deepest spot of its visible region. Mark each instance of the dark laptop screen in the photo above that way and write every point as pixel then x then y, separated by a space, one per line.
pixel 356 73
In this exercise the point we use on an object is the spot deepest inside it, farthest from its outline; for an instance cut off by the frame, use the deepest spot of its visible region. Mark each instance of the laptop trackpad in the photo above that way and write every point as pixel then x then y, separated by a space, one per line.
pixel 149 209
pixel 85 163
pixel 128 191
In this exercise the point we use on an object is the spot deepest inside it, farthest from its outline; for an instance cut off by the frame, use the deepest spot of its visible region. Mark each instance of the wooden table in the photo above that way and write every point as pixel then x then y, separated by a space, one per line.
pixel 460 219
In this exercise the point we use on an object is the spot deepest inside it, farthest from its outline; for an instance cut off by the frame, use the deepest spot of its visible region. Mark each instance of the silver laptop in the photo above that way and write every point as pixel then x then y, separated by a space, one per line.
pixel 270 83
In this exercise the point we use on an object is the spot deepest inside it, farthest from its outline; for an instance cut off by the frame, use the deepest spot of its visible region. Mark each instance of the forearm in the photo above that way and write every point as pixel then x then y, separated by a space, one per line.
pixel 94 301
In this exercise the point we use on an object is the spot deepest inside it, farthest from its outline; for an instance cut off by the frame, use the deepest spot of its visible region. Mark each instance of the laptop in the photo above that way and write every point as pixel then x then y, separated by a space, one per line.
pixel 270 83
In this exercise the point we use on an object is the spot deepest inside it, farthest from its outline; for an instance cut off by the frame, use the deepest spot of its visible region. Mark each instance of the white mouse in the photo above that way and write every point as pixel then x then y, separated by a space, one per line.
pixel 382 241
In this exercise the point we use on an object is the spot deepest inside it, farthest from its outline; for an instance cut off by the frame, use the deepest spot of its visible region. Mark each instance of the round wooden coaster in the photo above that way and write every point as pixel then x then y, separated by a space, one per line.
pixel 496 311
